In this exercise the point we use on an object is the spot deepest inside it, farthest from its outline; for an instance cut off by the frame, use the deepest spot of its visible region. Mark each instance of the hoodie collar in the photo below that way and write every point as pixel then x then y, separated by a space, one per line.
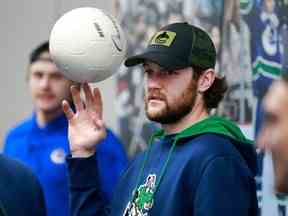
pixel 55 124
pixel 212 124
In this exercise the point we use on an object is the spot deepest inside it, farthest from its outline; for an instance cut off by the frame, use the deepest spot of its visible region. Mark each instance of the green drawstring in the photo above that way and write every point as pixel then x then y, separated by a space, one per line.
pixel 163 170
pixel 147 153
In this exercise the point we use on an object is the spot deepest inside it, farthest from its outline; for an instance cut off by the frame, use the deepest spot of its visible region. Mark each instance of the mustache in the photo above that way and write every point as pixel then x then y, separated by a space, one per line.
pixel 155 94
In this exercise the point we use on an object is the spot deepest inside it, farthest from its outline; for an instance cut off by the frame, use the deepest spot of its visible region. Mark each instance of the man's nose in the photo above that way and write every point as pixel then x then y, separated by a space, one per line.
pixel 153 81
pixel 44 82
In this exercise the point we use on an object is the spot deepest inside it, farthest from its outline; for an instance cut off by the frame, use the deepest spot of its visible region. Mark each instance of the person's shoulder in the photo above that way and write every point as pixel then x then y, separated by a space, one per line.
pixel 20 128
pixel 211 141
pixel 20 189
pixel 211 145
pixel 111 142
pixel 14 171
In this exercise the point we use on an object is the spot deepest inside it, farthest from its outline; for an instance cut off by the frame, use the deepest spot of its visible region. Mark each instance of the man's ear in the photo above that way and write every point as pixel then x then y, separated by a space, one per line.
pixel 206 80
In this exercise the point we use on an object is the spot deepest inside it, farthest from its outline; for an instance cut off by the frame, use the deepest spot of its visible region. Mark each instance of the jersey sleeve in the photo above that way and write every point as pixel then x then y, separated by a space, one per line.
pixel 86 197
pixel 110 156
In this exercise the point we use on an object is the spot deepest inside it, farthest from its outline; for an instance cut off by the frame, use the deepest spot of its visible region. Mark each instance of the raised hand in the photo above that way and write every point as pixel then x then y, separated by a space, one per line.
pixel 86 127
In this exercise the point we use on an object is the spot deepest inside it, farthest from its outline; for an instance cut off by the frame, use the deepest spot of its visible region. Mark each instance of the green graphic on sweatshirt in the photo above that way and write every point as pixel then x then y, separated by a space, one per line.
pixel 143 198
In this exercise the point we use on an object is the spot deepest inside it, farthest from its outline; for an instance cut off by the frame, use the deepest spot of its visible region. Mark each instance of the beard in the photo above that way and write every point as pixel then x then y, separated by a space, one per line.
pixel 175 110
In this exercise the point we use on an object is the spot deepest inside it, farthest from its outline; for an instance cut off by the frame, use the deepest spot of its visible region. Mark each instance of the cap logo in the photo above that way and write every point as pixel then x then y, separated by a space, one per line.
pixel 164 38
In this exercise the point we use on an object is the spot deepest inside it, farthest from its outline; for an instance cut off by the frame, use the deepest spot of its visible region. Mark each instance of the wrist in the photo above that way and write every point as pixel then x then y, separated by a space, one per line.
pixel 82 153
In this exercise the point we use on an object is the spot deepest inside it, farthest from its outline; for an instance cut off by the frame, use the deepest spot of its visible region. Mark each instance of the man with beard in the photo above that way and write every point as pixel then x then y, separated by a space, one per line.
pixel 197 164
pixel 41 141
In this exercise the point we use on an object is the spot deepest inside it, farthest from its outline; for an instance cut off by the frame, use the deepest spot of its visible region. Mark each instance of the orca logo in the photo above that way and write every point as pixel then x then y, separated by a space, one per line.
pixel 162 38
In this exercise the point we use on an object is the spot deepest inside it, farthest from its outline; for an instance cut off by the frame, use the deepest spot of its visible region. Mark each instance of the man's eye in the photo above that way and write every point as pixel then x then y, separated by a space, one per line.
pixel 37 75
pixel 147 72
pixel 269 118
pixel 172 72
pixel 57 76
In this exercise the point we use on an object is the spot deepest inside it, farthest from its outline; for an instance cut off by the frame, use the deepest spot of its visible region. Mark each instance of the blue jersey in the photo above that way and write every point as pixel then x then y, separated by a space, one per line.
pixel 44 151
pixel 266 50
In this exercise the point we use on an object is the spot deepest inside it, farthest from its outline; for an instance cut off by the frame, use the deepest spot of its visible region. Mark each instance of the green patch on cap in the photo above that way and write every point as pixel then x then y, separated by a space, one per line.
pixel 164 38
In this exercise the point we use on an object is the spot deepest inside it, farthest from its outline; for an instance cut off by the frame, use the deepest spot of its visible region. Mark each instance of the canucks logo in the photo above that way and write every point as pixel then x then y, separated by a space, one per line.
pixel 164 38
pixel 142 200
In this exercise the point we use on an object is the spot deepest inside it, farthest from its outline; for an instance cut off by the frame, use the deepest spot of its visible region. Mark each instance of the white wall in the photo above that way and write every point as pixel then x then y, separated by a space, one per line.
pixel 23 25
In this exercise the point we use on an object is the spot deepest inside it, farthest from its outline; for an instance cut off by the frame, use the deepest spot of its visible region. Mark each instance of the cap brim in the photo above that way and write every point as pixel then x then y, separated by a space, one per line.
pixel 162 59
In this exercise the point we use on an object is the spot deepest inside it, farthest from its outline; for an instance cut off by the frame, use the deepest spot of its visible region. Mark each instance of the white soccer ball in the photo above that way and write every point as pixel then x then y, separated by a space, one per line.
pixel 87 44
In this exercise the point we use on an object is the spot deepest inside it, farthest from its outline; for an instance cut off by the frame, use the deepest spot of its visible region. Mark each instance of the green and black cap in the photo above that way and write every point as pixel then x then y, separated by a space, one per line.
pixel 177 46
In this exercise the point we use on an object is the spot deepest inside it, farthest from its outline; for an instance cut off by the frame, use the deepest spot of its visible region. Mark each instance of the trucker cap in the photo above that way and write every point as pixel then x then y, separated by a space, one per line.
pixel 177 46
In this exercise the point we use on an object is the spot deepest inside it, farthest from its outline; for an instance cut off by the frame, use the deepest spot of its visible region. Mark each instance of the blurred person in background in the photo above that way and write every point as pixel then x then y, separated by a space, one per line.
pixel 41 141
pixel 20 190
pixel 274 133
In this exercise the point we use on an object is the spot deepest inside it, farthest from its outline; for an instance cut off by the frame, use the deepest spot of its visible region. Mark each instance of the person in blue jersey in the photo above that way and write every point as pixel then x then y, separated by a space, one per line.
pixel 196 165
pixel 20 190
pixel 41 141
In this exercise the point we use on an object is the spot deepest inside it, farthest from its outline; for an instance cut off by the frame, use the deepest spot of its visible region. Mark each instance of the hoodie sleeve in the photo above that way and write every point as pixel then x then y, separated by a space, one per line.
pixel 226 188
pixel 86 198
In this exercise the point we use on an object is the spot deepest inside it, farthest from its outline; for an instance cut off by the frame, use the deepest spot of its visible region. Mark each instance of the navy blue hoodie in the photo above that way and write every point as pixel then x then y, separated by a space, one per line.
pixel 207 169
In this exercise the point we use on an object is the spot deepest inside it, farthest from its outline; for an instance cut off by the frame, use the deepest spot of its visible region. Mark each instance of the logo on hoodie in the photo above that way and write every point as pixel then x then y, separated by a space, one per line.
pixel 142 200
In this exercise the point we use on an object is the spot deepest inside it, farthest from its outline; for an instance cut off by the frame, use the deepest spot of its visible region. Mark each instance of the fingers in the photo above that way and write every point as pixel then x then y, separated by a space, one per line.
pixel 98 102
pixel 88 95
pixel 67 110
pixel 76 98
pixel 93 101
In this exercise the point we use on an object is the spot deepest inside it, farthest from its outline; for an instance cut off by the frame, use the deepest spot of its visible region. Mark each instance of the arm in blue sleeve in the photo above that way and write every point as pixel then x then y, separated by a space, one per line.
pixel 86 198
pixel 225 189
pixel 119 152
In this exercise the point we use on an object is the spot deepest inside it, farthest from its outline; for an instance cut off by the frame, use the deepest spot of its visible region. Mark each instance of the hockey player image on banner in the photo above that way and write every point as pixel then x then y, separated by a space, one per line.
pixel 266 50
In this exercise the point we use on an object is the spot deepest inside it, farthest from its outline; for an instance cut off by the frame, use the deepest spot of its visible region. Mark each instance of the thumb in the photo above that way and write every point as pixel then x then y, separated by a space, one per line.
pixel 67 110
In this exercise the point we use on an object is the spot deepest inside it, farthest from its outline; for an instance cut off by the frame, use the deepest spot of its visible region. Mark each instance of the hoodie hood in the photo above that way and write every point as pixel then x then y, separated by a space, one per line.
pixel 224 127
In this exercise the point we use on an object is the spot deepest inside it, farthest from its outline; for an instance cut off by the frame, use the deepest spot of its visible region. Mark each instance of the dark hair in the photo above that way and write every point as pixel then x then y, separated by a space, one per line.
pixel 216 92
pixel 36 53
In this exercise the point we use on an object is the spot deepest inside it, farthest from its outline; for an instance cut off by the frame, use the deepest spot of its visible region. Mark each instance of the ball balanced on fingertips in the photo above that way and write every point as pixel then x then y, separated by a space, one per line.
pixel 87 44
